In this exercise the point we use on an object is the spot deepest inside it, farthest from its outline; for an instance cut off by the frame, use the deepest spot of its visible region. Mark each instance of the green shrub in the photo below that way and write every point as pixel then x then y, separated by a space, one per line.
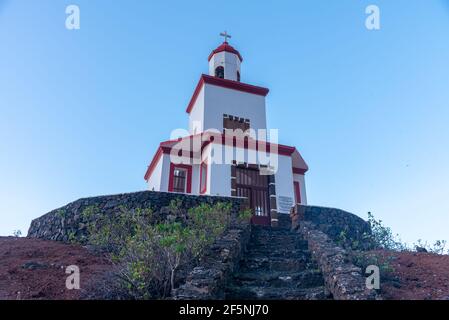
pixel 245 215
pixel 147 256
pixel 382 237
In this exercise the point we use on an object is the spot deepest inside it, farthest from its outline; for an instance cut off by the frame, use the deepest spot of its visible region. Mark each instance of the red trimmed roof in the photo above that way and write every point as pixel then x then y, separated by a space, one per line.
pixel 299 171
pixel 208 138
pixel 225 83
pixel 227 48
pixel 153 163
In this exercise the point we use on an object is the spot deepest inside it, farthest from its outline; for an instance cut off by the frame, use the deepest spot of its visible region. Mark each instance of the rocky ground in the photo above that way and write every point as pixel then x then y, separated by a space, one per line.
pixel 415 276
pixel 35 269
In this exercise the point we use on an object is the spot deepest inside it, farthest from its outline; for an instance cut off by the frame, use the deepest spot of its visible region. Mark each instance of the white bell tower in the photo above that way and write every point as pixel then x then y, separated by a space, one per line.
pixel 225 61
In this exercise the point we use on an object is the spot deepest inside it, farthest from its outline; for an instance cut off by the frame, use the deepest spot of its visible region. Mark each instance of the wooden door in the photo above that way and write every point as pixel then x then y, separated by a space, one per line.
pixel 252 185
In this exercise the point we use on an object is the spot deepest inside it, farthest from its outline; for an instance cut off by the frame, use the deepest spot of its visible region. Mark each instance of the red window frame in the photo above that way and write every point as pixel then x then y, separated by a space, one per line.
pixel 188 168
pixel 203 189
pixel 297 192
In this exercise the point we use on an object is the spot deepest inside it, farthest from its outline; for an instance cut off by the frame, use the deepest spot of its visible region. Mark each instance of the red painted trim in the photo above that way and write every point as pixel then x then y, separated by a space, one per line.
pixel 153 163
pixel 167 147
pixel 204 189
pixel 297 192
pixel 196 93
pixel 236 85
pixel 227 48
pixel 259 145
pixel 224 83
pixel 172 175
pixel 299 171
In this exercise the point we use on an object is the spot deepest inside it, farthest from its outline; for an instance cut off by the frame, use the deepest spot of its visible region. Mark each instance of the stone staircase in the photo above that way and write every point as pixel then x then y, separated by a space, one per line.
pixel 277 266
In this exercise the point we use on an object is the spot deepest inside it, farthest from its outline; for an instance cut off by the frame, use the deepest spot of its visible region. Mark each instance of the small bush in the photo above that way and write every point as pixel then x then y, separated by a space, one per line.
pixel 245 215
pixel 148 256
pixel 438 246
pixel 17 234
pixel 364 259
pixel 382 236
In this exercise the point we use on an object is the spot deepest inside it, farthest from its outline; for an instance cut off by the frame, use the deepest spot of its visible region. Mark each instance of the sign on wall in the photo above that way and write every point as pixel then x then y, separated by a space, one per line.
pixel 285 204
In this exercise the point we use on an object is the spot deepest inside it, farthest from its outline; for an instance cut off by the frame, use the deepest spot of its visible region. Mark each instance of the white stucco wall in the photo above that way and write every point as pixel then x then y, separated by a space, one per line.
pixel 159 178
pixel 284 185
pixel 165 173
pixel 197 114
pixel 154 182
pixel 195 179
pixel 219 101
pixel 220 175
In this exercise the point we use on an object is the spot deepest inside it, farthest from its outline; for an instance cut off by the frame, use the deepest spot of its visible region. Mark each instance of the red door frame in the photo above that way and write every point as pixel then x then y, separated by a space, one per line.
pixel 297 192
pixel 203 189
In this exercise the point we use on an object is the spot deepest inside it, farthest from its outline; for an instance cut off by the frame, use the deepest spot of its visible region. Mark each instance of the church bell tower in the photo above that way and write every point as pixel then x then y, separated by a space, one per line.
pixel 225 61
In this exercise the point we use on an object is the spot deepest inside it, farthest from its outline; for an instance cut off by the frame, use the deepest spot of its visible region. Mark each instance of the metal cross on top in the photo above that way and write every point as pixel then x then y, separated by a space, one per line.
pixel 226 36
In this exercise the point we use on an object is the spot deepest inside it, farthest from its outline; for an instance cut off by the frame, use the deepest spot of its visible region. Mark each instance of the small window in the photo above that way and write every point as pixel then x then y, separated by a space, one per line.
pixel 238 76
pixel 180 179
pixel 219 72
pixel 203 178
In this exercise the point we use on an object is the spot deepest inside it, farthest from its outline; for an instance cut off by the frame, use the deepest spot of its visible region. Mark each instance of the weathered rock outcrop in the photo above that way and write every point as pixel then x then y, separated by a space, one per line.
pixel 70 223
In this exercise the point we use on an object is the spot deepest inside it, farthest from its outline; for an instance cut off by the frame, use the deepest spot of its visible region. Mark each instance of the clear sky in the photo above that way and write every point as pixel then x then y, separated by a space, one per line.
pixel 82 112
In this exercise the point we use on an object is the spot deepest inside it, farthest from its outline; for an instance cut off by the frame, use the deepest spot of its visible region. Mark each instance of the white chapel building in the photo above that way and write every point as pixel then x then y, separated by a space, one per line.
pixel 229 151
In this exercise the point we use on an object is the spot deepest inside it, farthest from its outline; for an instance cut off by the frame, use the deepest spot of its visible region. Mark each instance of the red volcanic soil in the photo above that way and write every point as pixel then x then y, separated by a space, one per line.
pixel 417 276
pixel 35 269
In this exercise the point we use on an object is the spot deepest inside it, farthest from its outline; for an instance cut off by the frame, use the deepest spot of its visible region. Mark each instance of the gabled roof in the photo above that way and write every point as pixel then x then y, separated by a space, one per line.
pixel 208 138
pixel 224 83
pixel 227 48
pixel 299 164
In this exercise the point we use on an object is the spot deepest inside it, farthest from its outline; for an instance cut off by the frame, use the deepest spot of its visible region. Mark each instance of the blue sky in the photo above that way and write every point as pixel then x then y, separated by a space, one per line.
pixel 81 112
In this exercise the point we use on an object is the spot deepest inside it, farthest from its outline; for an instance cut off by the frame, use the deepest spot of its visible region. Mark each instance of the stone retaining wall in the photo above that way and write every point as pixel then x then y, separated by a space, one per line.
pixel 69 223
pixel 208 280
pixel 346 229
pixel 342 278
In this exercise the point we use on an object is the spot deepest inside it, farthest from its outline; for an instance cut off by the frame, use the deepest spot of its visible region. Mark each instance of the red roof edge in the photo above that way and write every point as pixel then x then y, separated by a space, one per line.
pixel 195 95
pixel 153 163
pixel 225 83
pixel 227 48
pixel 300 171
pixel 166 148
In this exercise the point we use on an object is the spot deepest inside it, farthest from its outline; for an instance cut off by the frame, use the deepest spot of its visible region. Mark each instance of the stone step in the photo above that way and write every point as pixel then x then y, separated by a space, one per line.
pixel 274 233
pixel 274 246
pixel 269 264
pixel 288 237
pixel 269 230
pixel 300 280
pixel 277 266
pixel 278 253
pixel 270 293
